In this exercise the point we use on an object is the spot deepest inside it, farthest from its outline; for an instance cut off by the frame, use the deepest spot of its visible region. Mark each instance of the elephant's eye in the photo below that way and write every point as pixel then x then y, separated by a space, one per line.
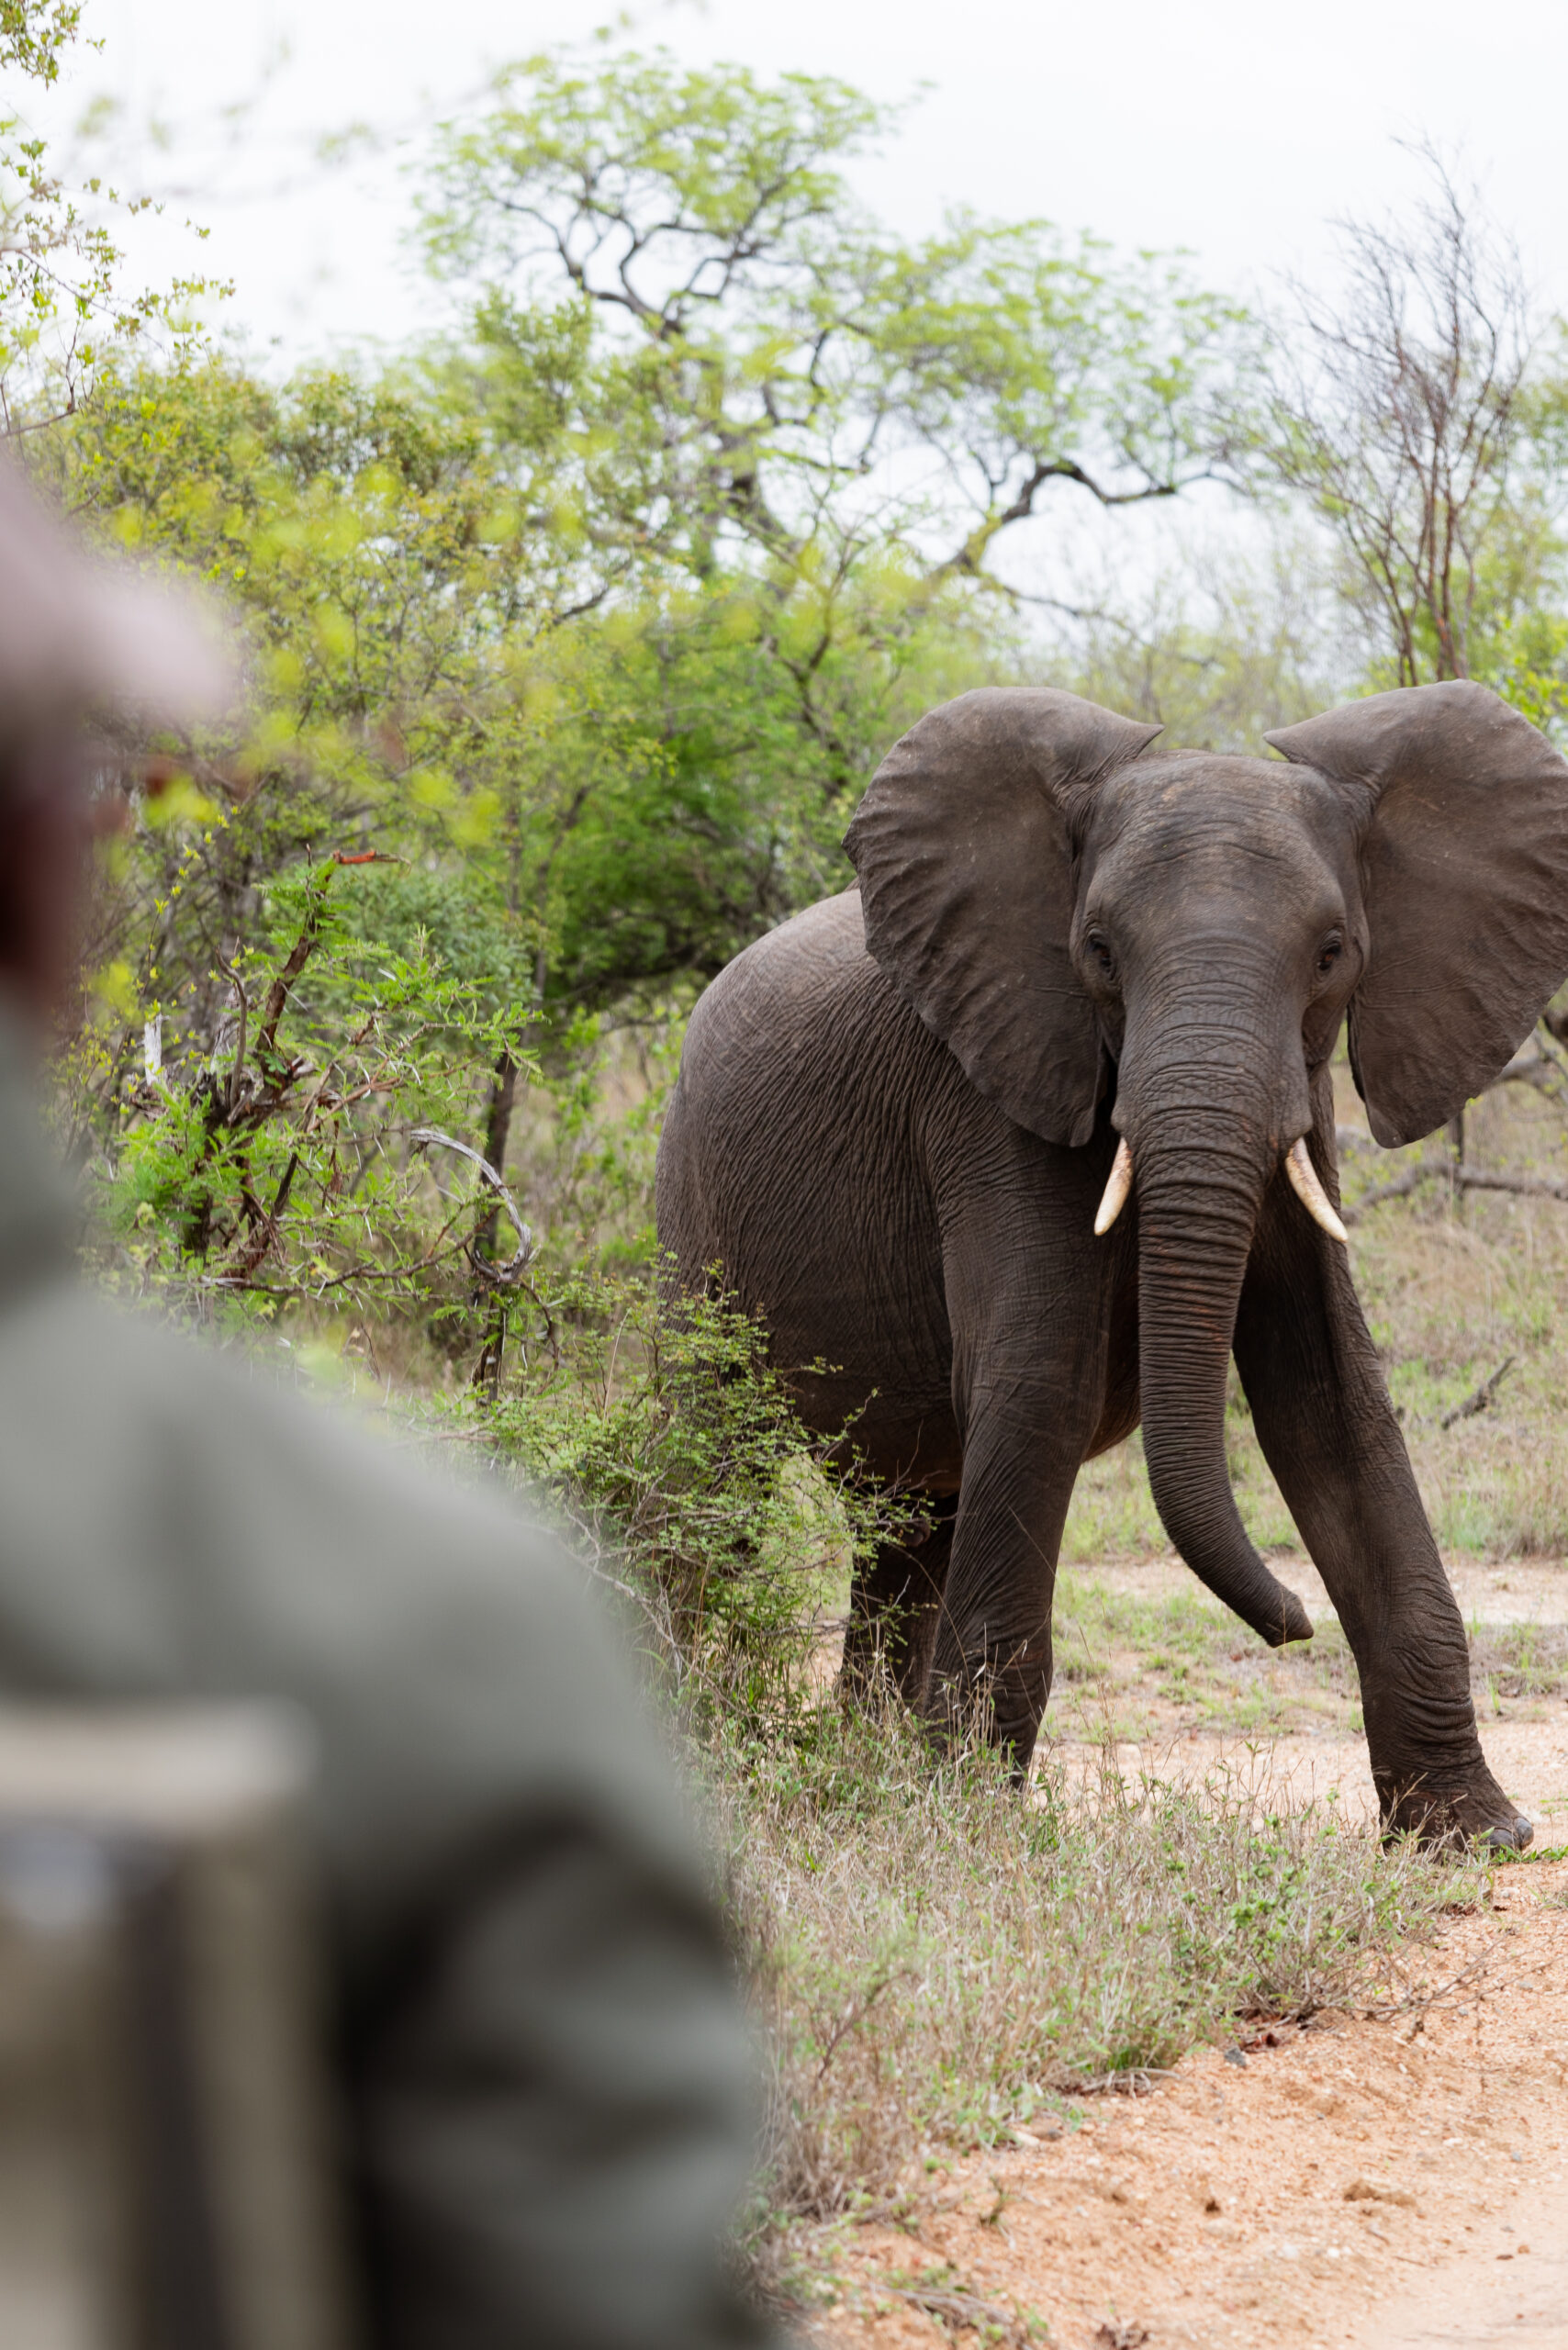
pixel 1329 955
pixel 1099 946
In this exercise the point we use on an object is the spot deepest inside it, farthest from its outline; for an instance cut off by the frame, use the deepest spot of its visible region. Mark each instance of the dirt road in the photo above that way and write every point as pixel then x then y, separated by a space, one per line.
pixel 1361 2183
pixel 1398 2182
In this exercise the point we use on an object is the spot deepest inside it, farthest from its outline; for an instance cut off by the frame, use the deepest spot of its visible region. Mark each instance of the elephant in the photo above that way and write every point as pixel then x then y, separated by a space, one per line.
pixel 1019 1140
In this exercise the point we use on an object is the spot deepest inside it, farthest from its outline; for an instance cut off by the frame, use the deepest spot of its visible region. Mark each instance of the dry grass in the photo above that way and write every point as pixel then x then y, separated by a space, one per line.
pixel 1454 1286
pixel 938 1958
pixel 1128 1665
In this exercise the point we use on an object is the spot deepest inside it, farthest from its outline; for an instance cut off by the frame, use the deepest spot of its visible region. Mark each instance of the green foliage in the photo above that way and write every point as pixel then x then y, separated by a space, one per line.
pixel 1527 663
pixel 33 33
pixel 672 1445
pixel 785 352
pixel 289 1166
pixel 592 619
pixel 65 306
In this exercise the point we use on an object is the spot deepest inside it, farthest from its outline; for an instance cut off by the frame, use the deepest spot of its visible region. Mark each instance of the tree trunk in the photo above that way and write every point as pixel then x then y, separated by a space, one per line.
pixel 497 1133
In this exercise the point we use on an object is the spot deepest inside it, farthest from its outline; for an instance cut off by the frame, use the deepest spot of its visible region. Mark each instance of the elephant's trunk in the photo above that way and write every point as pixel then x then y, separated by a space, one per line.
pixel 1203 1153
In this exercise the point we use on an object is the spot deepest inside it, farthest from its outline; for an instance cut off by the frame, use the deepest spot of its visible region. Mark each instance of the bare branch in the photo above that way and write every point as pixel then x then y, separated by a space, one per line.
pixel 507 1274
pixel 1483 1396
pixel 1398 408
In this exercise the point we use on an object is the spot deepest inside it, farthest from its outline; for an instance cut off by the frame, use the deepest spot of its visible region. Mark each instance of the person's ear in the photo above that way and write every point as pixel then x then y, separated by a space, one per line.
pixel 1464 874
pixel 963 844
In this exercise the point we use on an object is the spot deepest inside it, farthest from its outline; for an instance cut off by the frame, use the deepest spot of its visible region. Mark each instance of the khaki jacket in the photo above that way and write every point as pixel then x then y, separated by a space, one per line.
pixel 537 2031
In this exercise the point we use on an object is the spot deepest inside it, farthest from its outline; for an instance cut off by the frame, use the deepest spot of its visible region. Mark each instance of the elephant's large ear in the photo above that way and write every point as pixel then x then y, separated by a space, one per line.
pixel 1464 869
pixel 964 852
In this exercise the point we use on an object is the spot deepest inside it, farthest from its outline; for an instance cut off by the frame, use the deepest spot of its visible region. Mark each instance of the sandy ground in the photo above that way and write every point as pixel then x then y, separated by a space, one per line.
pixel 1527 1748
pixel 1510 1590
pixel 1390 2184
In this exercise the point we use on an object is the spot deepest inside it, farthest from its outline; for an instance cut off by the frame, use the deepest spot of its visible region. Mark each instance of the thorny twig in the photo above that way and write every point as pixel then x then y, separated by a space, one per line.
pixel 1420 2003
pixel 954 2309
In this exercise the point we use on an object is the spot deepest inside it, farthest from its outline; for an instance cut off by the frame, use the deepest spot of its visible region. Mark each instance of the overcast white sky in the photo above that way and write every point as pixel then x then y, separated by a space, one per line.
pixel 1235 127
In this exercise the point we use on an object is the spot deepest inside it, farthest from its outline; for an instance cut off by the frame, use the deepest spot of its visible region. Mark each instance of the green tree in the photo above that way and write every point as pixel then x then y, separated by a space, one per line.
pixel 850 423
pixel 588 621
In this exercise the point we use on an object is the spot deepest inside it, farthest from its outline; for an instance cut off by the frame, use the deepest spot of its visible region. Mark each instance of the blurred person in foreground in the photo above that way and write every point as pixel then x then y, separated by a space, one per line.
pixel 539 2046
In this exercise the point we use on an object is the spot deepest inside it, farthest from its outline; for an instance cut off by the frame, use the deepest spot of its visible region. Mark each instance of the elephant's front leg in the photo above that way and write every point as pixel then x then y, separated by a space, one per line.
pixel 993 1638
pixel 1029 1292
pixel 1327 1430
pixel 1028 1298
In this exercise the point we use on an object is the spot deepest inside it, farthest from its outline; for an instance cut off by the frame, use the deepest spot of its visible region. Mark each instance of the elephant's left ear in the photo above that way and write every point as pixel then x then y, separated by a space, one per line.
pixel 1464 870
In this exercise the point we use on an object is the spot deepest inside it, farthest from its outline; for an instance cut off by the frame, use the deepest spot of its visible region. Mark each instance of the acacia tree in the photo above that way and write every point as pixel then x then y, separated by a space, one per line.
pixel 852 422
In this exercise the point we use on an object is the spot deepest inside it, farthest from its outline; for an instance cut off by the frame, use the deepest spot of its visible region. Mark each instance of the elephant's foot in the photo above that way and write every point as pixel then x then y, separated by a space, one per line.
pixel 1449 1817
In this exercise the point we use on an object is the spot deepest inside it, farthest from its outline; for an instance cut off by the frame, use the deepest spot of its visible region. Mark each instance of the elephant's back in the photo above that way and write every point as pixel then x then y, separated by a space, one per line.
pixel 793 1156
pixel 789 1092
pixel 765 1026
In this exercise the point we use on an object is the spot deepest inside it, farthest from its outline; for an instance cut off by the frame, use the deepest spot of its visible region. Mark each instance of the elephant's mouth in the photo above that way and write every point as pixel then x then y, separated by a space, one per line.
pixel 1299 1170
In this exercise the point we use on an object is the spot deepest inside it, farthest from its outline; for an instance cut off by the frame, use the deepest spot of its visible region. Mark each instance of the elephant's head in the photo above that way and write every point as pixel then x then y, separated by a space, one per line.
pixel 1059 903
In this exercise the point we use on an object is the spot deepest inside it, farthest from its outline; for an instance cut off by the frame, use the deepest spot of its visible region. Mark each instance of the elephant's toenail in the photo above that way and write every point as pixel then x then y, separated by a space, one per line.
pixel 1523 1833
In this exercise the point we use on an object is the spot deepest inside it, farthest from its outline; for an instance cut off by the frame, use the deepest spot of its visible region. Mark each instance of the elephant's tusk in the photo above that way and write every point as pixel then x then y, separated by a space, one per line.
pixel 1116 1190
pixel 1309 1190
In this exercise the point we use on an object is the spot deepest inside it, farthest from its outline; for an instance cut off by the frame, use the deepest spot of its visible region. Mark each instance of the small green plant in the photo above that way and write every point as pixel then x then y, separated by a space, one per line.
pixel 672 1447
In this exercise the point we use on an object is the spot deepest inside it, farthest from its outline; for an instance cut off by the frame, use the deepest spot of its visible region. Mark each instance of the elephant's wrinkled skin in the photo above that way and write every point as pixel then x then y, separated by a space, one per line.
pixel 897 1114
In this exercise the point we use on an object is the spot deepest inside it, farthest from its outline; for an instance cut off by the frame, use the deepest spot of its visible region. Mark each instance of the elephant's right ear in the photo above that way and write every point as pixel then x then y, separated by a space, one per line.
pixel 963 846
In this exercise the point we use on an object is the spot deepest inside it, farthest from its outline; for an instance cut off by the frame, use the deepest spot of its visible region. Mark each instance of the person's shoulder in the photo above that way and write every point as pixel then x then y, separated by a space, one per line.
pixel 194 1453
pixel 94 1364
pixel 174 1517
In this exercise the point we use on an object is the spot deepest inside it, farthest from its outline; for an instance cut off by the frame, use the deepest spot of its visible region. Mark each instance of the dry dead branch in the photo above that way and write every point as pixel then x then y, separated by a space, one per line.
pixel 1484 1396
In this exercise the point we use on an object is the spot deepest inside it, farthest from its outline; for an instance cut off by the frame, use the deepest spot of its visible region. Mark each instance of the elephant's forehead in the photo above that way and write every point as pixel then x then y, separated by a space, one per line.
pixel 1229 823
pixel 1194 794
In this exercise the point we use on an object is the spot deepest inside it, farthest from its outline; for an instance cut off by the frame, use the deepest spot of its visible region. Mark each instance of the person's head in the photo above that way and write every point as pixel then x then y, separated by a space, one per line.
pixel 80 642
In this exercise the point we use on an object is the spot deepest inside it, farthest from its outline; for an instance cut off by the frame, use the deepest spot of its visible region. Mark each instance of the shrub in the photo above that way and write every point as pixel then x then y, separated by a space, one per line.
pixel 672 1447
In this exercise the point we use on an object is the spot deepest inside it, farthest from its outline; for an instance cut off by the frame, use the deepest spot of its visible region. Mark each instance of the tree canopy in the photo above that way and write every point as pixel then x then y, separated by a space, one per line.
pixel 575 631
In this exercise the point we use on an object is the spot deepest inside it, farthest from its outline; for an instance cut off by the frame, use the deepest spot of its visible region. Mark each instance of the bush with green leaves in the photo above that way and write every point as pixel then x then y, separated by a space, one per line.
pixel 671 1445
pixel 292 1165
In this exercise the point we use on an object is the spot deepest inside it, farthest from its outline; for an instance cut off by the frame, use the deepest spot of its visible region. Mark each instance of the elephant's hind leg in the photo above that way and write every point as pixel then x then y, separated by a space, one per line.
pixel 895 1603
